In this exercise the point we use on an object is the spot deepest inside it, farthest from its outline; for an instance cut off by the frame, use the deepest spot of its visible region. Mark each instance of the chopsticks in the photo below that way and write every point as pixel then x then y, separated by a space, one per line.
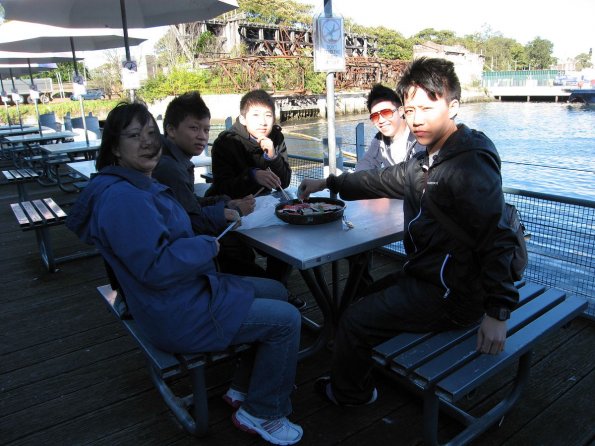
pixel 231 226
pixel 287 197
pixel 258 192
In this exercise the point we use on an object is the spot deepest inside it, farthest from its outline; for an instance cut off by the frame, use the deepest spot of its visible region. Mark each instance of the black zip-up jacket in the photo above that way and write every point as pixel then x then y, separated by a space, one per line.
pixel 235 155
pixel 464 181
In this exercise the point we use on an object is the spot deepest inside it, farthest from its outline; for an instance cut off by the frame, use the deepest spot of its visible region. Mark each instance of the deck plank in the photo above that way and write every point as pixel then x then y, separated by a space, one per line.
pixel 70 374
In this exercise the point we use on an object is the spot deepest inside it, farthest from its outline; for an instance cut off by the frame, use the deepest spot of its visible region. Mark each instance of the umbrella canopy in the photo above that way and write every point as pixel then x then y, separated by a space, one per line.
pixel 121 14
pixel 107 13
pixel 23 70
pixel 19 59
pixel 36 38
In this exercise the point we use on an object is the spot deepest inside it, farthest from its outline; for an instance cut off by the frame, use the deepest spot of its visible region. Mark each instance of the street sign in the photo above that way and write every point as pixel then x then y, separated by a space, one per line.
pixel 329 43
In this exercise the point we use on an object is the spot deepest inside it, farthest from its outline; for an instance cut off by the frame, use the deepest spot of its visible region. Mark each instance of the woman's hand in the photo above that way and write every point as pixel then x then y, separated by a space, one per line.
pixel 231 214
pixel 246 205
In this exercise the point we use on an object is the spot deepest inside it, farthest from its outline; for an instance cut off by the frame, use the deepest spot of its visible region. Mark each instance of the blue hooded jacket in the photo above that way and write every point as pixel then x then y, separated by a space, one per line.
pixel 172 288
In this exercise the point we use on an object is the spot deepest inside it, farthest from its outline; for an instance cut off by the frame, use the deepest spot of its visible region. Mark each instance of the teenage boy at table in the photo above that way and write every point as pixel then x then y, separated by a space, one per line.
pixel 173 290
pixel 393 144
pixel 252 155
pixel 186 125
pixel 443 285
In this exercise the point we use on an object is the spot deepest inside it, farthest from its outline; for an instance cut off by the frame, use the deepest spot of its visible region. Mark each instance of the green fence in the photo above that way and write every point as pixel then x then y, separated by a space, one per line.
pixel 534 78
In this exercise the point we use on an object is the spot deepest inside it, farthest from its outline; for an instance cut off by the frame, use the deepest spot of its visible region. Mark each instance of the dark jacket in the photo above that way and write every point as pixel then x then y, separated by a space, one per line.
pixel 465 183
pixel 235 155
pixel 174 293
pixel 176 171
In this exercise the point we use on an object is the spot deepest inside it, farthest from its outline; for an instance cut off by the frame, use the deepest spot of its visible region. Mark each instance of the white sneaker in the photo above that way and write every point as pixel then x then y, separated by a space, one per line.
pixel 280 431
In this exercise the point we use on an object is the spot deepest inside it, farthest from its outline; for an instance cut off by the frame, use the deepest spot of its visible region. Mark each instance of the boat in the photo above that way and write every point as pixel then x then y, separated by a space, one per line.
pixel 586 97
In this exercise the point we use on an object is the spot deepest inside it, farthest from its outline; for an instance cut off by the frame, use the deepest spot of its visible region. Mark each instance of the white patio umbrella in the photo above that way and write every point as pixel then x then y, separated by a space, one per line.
pixel 119 14
pixel 17 71
pixel 26 58
pixel 37 38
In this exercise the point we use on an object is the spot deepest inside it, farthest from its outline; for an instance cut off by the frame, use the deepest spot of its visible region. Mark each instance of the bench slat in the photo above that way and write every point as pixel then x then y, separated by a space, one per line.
pixel 44 211
pixel 412 357
pixel 452 359
pixel 57 210
pixel 20 214
pixel 476 372
pixel 31 212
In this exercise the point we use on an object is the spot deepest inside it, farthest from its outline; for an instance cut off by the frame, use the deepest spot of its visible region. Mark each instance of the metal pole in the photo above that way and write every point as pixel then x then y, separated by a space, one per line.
pixel 330 106
pixel 126 45
pixel 5 102
pixel 76 74
pixel 35 99
pixel 16 102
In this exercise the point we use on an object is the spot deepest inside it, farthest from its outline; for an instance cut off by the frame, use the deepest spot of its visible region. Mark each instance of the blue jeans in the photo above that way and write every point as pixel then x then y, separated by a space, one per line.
pixel 267 372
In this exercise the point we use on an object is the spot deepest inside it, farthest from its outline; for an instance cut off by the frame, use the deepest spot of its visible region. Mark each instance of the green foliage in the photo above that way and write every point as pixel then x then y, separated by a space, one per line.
pixel 392 44
pixel 65 70
pixel 177 82
pixel 442 37
pixel 539 53
pixel 583 60
pixel 278 12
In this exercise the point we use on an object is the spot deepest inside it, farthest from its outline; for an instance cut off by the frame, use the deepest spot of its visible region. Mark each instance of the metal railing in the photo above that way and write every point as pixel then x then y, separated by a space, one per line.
pixel 562 244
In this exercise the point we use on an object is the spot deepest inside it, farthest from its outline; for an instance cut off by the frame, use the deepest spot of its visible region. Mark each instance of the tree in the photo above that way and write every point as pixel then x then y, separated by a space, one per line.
pixel 65 71
pixel 107 76
pixel 583 60
pixel 539 54
pixel 277 12
pixel 441 37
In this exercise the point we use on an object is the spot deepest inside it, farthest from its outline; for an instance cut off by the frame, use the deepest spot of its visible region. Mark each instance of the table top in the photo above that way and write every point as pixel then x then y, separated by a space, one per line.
pixel 376 223
pixel 15 131
pixel 71 147
pixel 39 138
pixel 84 168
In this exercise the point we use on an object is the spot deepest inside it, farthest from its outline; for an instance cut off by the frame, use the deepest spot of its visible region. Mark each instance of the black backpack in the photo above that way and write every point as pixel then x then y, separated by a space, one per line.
pixel 520 256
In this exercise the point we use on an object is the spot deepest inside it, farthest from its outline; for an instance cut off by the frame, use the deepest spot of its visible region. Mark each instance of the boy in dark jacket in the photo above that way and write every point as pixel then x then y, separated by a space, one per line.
pixel 252 155
pixel 444 284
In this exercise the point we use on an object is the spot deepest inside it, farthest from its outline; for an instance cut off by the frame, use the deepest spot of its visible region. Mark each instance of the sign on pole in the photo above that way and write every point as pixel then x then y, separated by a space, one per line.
pixel 329 43
pixel 130 78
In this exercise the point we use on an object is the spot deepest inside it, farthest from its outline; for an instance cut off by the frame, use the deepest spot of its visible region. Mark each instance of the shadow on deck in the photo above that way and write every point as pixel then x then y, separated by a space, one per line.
pixel 70 375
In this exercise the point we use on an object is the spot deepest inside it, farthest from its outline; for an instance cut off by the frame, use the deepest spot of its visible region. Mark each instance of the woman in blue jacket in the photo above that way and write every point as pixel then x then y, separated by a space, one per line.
pixel 168 275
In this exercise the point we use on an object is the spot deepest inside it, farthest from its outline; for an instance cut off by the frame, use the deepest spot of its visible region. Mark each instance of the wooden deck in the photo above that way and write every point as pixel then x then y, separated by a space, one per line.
pixel 69 374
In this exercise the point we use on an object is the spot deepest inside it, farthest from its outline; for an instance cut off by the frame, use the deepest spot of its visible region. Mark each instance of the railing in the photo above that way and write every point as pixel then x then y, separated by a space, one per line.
pixel 562 244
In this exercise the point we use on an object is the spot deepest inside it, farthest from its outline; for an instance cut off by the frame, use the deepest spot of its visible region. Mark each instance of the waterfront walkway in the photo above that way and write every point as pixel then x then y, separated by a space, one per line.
pixel 70 375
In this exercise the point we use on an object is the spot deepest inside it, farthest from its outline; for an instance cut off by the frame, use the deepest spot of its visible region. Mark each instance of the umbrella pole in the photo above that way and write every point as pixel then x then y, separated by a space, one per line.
pixel 76 73
pixel 14 88
pixel 330 108
pixel 126 43
pixel 34 99
pixel 5 104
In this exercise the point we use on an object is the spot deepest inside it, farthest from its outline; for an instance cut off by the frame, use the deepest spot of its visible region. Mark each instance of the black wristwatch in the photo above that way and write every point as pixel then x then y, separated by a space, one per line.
pixel 502 314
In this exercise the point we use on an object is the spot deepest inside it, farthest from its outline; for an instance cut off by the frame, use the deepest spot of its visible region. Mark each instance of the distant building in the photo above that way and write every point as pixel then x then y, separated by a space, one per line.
pixel 468 65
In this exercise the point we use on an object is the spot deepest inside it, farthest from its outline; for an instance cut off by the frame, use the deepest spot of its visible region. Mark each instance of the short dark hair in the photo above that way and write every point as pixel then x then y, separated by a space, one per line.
pixel 381 93
pixel 117 120
pixel 187 104
pixel 256 97
pixel 437 77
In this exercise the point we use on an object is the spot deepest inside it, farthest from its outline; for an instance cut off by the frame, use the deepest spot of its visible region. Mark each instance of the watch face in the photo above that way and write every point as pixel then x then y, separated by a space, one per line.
pixel 503 314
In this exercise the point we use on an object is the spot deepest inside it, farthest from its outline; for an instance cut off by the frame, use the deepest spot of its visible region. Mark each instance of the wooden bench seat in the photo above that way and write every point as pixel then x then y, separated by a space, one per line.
pixel 40 215
pixel 190 410
pixel 445 367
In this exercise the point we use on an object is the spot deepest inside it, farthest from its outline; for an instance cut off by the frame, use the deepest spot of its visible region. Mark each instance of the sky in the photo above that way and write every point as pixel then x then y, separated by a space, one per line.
pixel 566 27
pixel 523 20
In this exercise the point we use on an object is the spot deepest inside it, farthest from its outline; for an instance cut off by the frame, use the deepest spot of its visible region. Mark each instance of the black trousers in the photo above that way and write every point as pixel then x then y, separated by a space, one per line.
pixel 397 303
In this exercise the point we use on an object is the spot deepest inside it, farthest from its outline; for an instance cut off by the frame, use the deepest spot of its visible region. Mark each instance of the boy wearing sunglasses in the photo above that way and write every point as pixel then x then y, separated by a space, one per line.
pixel 394 142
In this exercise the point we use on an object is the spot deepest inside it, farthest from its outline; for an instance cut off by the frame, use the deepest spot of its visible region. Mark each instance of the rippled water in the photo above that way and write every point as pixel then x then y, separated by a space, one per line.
pixel 545 147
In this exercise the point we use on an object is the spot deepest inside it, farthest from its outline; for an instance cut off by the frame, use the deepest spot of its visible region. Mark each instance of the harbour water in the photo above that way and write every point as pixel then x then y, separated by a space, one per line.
pixel 544 147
